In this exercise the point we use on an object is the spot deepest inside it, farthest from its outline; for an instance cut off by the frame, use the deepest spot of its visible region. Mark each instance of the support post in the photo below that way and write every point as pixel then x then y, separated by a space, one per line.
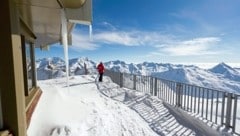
pixel 134 82
pixel 235 112
pixel 151 86
pixel 155 86
pixel 229 109
pixel 179 94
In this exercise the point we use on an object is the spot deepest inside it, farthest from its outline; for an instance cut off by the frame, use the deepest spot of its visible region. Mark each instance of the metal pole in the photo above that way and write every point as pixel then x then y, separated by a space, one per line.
pixel 235 113
pixel 207 104
pixel 216 114
pixel 191 98
pixel 223 107
pixel 229 109
pixel 134 82
pixel 151 85
pixel 155 87
pixel 199 95
pixel 202 101
pixel 195 99
pixel 211 106
pixel 178 90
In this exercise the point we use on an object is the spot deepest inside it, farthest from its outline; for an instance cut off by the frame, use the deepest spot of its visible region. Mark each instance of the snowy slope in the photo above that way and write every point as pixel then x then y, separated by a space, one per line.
pixel 82 111
pixel 237 69
pixel 226 71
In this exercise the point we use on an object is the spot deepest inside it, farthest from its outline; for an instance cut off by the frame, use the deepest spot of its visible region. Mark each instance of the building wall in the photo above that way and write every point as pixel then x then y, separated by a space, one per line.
pixel 11 70
pixel 19 84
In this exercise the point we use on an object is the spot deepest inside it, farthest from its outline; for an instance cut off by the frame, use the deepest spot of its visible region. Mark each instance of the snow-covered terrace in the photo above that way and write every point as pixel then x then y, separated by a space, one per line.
pixel 88 108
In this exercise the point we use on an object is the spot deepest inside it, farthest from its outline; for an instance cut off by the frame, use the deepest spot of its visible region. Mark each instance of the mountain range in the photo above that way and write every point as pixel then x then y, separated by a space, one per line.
pixel 222 76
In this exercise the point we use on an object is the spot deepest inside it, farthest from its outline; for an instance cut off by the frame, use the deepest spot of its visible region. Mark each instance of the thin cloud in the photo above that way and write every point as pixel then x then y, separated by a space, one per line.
pixel 109 26
pixel 120 38
pixel 194 47
pixel 131 38
pixel 165 44
pixel 83 42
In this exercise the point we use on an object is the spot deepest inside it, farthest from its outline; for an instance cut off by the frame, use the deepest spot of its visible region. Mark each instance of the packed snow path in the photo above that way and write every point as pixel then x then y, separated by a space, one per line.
pixel 83 110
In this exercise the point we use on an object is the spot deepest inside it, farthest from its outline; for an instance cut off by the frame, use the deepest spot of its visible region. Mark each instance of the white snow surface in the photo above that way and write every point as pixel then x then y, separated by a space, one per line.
pixel 88 108
pixel 82 110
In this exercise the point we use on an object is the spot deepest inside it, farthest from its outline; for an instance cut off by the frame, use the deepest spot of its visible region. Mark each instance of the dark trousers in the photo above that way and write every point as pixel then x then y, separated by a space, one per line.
pixel 100 77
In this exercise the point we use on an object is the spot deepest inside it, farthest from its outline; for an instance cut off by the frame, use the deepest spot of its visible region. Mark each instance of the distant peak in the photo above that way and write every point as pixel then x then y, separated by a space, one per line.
pixel 118 61
pixel 222 64
pixel 222 68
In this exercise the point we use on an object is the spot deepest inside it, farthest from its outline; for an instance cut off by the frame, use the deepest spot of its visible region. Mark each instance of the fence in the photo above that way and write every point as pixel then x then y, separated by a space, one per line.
pixel 222 108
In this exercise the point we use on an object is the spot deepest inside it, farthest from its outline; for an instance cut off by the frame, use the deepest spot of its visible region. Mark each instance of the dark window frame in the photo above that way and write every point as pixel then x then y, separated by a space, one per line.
pixel 25 44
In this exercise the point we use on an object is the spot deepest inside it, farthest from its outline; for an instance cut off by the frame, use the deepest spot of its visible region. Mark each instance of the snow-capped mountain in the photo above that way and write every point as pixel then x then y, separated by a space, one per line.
pixel 80 66
pixel 237 69
pixel 121 66
pixel 48 68
pixel 221 77
pixel 226 71
pixel 200 77
pixel 140 69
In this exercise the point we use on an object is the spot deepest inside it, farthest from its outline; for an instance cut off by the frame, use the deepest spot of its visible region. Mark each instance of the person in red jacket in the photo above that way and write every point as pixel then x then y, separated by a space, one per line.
pixel 100 68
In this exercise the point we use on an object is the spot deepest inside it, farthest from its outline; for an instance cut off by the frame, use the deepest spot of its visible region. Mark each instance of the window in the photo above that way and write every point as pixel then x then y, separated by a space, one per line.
pixel 28 66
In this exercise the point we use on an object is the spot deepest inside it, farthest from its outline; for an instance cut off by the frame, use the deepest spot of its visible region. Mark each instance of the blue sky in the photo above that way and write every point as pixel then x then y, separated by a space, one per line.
pixel 166 31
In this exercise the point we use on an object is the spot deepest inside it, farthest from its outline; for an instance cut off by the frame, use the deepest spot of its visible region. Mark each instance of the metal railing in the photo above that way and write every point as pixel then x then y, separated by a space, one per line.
pixel 219 107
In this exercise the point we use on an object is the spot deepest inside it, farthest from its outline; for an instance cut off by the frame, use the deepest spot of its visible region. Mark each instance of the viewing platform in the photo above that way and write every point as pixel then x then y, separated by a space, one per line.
pixel 105 109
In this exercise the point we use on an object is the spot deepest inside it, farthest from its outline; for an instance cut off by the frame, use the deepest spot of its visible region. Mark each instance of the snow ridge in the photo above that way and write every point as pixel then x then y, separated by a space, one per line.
pixel 221 77
pixel 226 71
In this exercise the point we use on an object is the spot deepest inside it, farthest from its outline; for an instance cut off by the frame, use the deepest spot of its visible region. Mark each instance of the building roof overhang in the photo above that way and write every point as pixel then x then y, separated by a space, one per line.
pixel 43 17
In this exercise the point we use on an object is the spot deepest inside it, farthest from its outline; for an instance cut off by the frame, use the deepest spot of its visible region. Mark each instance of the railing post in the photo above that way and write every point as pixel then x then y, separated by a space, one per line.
pixel 134 82
pixel 235 112
pixel 121 79
pixel 151 85
pixel 155 86
pixel 229 109
pixel 223 108
pixel 178 95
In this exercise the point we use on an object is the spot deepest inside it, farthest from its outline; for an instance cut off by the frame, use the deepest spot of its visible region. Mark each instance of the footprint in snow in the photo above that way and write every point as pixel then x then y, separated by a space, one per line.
pixel 60 131
pixel 94 111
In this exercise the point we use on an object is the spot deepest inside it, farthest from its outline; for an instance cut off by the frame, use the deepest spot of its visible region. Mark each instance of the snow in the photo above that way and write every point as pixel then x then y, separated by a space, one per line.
pixel 88 108
pixel 226 71
pixel 82 110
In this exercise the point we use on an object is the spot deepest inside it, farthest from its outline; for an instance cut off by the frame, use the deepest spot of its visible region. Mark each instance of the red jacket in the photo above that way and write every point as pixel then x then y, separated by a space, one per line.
pixel 100 68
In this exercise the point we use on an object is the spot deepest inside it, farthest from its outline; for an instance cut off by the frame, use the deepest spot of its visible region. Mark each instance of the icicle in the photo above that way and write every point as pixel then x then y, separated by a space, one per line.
pixel 90 32
pixel 65 43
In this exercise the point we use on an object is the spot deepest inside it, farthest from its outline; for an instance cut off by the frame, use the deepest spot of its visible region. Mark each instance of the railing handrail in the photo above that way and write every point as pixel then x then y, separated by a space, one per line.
pixel 214 89
pixel 182 95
